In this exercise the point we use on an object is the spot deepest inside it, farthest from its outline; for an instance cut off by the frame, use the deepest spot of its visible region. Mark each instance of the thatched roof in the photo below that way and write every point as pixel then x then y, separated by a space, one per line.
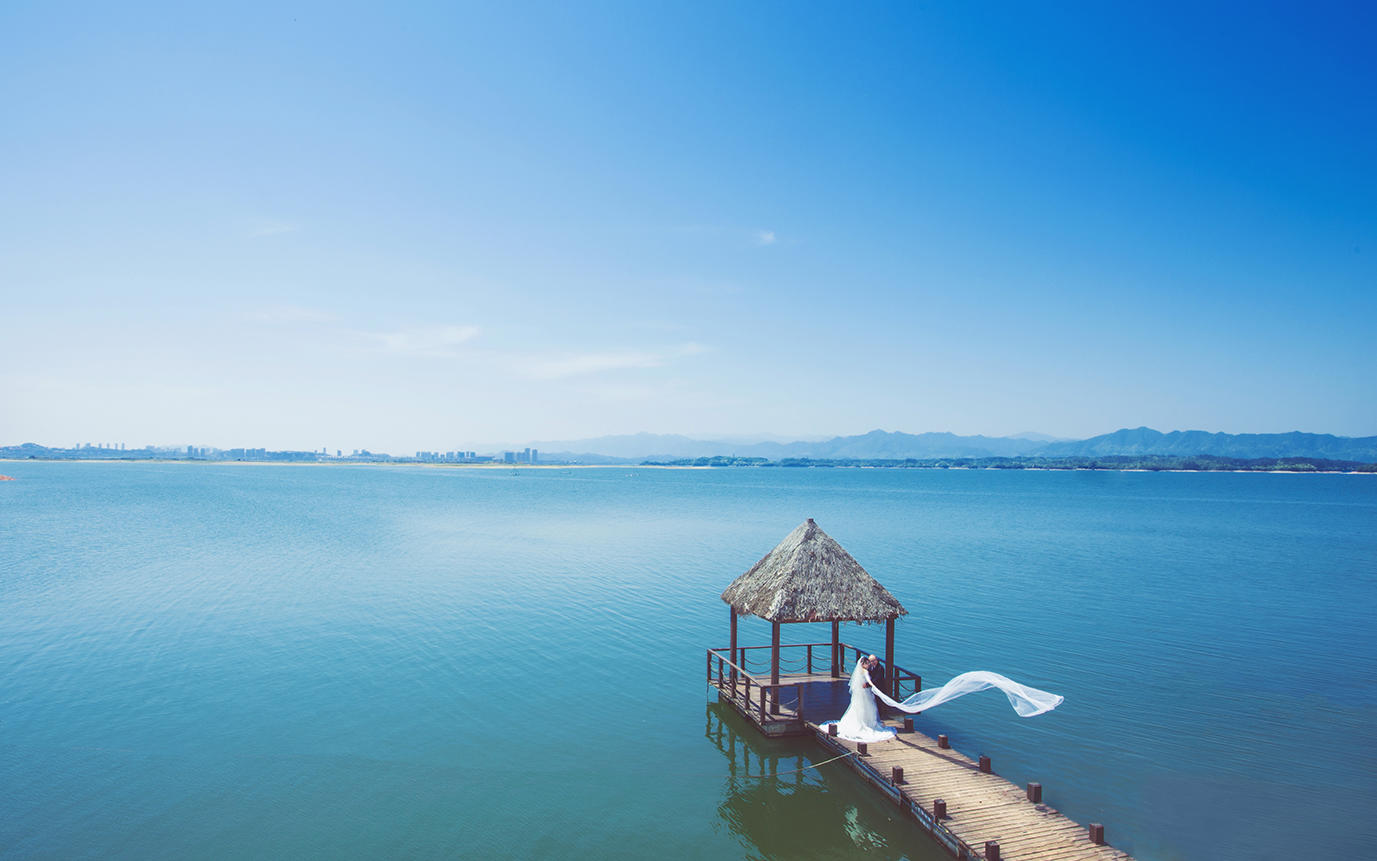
pixel 810 578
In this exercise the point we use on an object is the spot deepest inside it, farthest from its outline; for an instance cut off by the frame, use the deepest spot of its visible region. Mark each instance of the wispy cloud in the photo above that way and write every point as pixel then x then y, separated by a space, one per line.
pixel 437 342
pixel 764 237
pixel 289 314
pixel 621 393
pixel 579 364
pixel 272 227
pixel 583 364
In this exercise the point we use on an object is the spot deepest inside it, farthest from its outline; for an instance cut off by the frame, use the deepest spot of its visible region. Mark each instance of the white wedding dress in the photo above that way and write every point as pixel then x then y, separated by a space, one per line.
pixel 861 722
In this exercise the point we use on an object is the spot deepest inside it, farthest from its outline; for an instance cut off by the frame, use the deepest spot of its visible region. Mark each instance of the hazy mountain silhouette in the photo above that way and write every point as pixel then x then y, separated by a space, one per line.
pixel 879 444
pixel 1143 440
pixel 875 444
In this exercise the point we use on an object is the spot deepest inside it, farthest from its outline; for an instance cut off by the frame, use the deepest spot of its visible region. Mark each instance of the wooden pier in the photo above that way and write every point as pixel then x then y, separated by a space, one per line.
pixel 960 802
pixel 810 578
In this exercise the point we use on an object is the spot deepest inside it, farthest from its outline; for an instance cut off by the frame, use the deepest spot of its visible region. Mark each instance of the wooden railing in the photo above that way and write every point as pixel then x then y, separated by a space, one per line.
pixel 733 678
pixel 729 673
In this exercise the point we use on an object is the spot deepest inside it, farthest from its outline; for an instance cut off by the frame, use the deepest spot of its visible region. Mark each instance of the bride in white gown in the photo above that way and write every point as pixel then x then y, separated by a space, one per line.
pixel 861 722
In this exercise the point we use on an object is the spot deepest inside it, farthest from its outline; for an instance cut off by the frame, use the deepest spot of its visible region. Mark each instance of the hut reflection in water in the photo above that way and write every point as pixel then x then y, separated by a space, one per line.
pixel 781 808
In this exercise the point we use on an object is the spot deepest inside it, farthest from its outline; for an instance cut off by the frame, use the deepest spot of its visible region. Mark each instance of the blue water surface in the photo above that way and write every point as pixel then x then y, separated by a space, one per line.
pixel 241 661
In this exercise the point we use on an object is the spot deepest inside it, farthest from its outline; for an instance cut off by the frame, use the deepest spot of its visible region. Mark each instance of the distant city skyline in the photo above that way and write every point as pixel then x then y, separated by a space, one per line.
pixel 444 225
pixel 876 445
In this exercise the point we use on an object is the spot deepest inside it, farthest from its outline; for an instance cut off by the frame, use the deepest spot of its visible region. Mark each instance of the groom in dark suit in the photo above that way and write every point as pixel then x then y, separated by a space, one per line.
pixel 877 678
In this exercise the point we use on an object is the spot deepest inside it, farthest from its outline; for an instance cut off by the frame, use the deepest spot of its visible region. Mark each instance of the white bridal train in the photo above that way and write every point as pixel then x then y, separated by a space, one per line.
pixel 861 722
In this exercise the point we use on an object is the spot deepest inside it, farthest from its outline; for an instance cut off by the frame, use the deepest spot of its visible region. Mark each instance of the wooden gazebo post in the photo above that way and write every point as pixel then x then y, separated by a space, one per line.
pixel 731 654
pixel 774 666
pixel 892 678
pixel 836 650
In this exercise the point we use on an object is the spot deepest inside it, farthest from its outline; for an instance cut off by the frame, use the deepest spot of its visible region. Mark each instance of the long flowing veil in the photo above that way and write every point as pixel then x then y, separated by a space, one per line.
pixel 1028 702
pixel 859 678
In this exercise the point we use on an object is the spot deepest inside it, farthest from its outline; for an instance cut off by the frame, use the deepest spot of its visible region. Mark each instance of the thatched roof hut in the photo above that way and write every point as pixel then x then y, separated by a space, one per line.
pixel 809 577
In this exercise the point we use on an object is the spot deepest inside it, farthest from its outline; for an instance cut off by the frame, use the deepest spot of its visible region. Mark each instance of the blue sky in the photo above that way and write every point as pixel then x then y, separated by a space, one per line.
pixel 416 226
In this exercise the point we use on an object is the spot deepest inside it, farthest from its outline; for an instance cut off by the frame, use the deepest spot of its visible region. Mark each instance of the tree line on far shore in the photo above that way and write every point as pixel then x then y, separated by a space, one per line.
pixel 1151 463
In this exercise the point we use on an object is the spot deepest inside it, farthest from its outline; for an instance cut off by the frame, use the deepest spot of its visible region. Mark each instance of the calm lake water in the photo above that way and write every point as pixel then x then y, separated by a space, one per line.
pixel 229 661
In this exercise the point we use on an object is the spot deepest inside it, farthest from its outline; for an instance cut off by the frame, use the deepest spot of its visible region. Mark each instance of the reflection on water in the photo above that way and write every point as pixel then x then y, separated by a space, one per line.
pixel 779 806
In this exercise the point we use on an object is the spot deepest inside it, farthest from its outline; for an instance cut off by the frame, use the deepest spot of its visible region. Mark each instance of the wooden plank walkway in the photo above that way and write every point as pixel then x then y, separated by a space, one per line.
pixel 981 807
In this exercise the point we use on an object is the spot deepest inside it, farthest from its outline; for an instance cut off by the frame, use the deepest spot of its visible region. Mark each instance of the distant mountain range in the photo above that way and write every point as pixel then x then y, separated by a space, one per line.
pixel 880 444
pixel 1243 445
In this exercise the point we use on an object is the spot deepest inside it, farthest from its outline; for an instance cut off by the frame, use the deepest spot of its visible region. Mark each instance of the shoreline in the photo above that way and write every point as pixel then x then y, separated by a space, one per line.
pixel 552 466
pixel 184 461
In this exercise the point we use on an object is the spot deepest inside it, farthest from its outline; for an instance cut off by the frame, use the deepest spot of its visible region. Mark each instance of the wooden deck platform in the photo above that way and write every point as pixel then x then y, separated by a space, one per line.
pixel 982 808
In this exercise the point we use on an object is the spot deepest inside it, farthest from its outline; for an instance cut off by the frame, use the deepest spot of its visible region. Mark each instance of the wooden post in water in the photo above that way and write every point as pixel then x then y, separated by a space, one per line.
pixel 892 679
pixel 836 650
pixel 774 666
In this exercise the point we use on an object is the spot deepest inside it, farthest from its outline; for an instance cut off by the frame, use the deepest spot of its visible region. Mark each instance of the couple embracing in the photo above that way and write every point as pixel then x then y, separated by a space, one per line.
pixel 861 722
